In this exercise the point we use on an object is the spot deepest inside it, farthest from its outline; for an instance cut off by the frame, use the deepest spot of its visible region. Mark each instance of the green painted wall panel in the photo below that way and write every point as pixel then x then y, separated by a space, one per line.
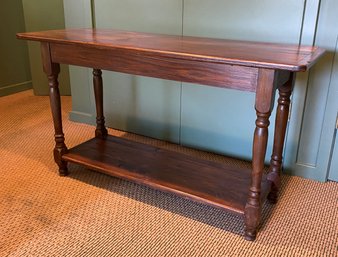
pixel 327 37
pixel 313 117
pixel 137 104
pixel 213 119
pixel 142 105
pixel 319 86
pixel 333 174
pixel 155 16
pixel 78 14
pixel 258 20
pixel 223 120
pixel 44 15
pixel 332 111
pixel 309 146
pixel 14 64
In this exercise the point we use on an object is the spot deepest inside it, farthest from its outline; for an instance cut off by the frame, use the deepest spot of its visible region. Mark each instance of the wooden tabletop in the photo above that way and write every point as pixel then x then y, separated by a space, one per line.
pixel 252 54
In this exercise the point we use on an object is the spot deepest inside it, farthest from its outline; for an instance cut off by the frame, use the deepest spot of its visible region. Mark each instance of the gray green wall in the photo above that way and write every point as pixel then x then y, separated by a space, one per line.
pixel 218 120
pixel 14 65
pixel 20 66
pixel 44 15
pixel 311 135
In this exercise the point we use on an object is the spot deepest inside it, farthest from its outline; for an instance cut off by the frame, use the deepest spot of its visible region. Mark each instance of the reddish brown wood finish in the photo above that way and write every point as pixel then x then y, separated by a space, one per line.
pixel 101 131
pixel 142 63
pixel 52 70
pixel 209 182
pixel 251 54
pixel 249 66
pixel 264 103
pixel 279 137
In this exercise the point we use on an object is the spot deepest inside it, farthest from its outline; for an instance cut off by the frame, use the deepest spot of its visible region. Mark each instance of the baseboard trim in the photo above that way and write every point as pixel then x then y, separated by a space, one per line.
pixel 15 88
pixel 82 117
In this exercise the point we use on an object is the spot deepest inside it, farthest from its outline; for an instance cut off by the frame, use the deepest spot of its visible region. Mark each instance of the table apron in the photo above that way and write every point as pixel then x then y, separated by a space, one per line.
pixel 133 62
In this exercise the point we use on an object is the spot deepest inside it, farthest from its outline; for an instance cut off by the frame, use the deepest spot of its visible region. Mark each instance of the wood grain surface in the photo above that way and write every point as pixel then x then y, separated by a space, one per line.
pixel 253 54
pixel 217 184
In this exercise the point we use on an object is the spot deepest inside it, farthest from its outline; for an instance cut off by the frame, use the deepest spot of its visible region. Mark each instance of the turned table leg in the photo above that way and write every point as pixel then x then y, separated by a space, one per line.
pixel 279 137
pixel 52 70
pixel 101 131
pixel 60 147
pixel 263 105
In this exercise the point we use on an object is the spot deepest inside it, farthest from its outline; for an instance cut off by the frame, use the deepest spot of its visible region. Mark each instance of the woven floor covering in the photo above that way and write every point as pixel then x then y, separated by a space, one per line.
pixel 91 214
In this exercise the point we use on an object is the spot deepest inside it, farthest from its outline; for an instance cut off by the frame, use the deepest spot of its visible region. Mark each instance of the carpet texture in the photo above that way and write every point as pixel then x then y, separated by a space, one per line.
pixel 91 214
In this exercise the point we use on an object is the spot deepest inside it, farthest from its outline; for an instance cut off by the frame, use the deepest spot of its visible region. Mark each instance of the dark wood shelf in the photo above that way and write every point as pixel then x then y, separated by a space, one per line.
pixel 216 184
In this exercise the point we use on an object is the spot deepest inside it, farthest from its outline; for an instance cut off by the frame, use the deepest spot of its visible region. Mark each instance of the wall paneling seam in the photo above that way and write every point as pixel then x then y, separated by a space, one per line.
pixel 181 85
pixel 308 15
pixel 92 9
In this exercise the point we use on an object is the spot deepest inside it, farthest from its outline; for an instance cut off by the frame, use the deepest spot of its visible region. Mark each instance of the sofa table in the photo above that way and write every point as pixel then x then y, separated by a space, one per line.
pixel 262 68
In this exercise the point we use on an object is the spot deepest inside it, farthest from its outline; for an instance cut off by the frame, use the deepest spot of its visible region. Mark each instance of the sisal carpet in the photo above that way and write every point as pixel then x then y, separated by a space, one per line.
pixel 91 214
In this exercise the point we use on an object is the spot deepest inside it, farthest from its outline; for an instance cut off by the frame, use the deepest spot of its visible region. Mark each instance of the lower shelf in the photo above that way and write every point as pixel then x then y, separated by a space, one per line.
pixel 205 181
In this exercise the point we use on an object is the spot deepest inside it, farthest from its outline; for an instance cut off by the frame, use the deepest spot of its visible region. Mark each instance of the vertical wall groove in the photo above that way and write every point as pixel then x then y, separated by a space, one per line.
pixel 307 37
pixel 92 7
pixel 181 86
pixel 302 23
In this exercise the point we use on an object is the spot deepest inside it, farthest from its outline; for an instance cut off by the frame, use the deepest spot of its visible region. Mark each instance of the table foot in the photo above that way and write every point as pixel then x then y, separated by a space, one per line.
pixel 58 152
pixel 273 196
pixel 250 235
pixel 63 172
pixel 251 218
pixel 101 131
pixel 274 177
